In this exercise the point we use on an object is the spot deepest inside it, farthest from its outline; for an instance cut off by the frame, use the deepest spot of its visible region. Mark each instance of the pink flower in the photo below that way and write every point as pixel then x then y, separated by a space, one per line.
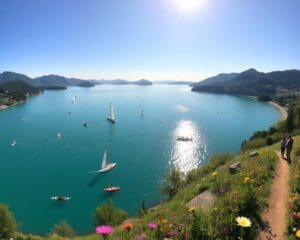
pixel 152 225
pixel 140 237
pixel 104 230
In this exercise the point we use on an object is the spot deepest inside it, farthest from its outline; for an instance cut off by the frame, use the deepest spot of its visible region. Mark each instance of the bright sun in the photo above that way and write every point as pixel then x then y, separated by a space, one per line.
pixel 189 5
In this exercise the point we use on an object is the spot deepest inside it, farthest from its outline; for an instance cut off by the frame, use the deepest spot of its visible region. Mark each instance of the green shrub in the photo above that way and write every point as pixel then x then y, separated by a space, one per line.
pixel 297 151
pixel 7 223
pixel 276 137
pixel 63 230
pixel 172 183
pixel 269 141
pixel 290 121
pixel 110 215
pixel 281 126
pixel 253 144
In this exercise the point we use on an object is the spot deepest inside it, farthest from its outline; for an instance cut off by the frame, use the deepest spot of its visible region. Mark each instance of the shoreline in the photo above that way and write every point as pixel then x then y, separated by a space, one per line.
pixel 3 107
pixel 283 112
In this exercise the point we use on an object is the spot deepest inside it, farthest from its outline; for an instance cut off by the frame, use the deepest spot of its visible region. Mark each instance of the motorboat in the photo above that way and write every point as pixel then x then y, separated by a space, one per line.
pixel 185 139
pixel 60 198
pixel 111 189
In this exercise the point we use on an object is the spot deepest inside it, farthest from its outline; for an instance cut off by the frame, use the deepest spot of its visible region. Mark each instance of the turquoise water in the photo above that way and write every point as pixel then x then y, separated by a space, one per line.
pixel 41 165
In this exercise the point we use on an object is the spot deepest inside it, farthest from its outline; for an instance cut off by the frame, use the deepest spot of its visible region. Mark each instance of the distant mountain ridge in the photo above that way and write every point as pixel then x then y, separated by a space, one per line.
pixel 173 82
pixel 251 82
pixel 52 80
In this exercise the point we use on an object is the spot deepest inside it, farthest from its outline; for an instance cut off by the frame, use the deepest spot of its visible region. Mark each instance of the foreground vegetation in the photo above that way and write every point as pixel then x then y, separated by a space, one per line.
pixel 294 199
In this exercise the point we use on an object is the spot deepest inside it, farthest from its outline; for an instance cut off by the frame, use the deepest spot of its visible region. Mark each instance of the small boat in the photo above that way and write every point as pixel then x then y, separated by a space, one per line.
pixel 85 124
pixel 142 113
pixel 111 116
pixel 105 167
pixel 23 119
pixel 60 198
pixel 185 139
pixel 58 135
pixel 112 189
pixel 74 99
pixel 13 143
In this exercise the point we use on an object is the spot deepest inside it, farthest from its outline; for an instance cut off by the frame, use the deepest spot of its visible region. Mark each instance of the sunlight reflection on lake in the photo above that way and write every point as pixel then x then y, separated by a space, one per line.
pixel 187 155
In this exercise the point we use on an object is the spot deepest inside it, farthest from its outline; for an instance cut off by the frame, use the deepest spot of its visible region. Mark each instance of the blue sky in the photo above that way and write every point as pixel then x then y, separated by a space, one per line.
pixel 154 39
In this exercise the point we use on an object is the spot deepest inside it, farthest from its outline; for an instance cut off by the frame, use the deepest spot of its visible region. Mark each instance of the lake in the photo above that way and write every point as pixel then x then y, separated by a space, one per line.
pixel 41 165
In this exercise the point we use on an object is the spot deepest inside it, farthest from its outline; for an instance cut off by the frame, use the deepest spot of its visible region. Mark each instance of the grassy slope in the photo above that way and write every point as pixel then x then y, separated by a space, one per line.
pixel 294 199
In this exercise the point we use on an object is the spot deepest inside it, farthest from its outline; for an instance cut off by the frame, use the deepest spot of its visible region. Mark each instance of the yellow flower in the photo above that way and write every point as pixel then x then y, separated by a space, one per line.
pixel 192 209
pixel 246 179
pixel 243 221
pixel 214 174
pixel 298 233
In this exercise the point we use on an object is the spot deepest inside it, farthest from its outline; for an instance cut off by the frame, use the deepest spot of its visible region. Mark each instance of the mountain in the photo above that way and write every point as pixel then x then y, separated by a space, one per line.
pixel 220 78
pixel 12 92
pixel 172 82
pixel 251 82
pixel 142 82
pixel 56 80
pixel 86 84
pixel 19 87
pixel 12 76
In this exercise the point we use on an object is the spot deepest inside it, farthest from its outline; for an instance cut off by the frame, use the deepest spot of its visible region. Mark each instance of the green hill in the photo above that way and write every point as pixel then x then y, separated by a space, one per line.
pixel 251 82
pixel 15 91
pixel 12 76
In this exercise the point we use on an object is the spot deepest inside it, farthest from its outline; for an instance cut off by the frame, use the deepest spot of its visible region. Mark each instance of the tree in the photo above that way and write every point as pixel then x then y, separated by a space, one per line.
pixel 143 209
pixel 64 230
pixel 110 215
pixel 269 141
pixel 289 124
pixel 172 183
pixel 7 223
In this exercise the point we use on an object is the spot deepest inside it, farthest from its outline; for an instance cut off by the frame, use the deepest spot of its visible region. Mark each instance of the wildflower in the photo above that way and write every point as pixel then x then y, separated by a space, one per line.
pixel 140 237
pixel 214 174
pixel 104 230
pixel 246 179
pixel 244 222
pixel 298 233
pixel 127 226
pixel 192 209
pixel 152 225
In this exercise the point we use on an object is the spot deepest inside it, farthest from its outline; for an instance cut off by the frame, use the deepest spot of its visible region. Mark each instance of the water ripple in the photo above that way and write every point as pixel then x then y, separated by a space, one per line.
pixel 187 155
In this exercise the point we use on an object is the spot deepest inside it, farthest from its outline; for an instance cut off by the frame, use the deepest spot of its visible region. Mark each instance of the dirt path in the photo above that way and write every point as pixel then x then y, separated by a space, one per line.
pixel 275 215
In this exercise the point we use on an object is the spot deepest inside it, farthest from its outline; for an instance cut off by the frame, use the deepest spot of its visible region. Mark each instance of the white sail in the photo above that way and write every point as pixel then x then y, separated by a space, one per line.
pixel 104 160
pixel 112 113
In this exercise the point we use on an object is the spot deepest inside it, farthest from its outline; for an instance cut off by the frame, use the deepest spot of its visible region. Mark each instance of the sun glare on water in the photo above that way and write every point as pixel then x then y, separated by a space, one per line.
pixel 189 5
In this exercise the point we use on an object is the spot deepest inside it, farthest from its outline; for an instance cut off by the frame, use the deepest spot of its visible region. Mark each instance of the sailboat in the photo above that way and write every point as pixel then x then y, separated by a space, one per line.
pixel 111 116
pixel 105 167
pixel 74 99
